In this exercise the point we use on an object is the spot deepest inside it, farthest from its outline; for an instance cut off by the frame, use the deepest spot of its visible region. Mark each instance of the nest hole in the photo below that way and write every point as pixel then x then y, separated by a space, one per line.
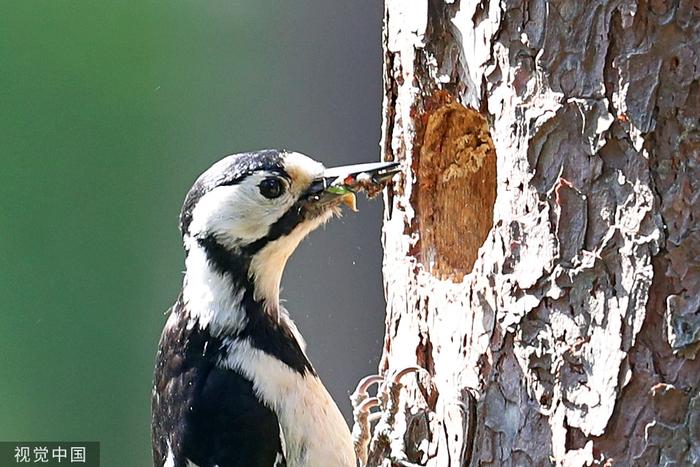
pixel 456 189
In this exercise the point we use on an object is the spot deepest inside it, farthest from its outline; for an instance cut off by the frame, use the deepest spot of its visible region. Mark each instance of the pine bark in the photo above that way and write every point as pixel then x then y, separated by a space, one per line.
pixel 542 245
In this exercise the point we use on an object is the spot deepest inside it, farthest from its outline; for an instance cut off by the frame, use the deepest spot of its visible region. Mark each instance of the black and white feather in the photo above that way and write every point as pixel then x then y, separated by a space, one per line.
pixel 233 385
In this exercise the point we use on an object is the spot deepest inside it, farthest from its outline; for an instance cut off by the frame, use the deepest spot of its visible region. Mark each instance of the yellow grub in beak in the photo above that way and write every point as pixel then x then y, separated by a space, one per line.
pixel 350 200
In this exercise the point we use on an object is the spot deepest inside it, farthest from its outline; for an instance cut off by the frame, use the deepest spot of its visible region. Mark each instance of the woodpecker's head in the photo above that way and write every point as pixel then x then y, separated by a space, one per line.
pixel 249 211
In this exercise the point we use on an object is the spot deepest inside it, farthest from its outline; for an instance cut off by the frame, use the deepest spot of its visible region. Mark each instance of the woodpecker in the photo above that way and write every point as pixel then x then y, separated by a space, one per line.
pixel 233 385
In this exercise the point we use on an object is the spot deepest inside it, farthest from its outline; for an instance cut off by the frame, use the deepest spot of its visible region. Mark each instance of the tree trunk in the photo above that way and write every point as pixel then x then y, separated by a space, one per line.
pixel 542 262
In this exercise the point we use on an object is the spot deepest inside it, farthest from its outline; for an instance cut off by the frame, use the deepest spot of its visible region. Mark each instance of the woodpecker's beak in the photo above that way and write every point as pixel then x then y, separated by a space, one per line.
pixel 338 185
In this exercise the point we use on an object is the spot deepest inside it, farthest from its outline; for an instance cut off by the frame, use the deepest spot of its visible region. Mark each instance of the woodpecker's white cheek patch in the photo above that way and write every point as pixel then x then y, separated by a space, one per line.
pixel 238 214
pixel 313 428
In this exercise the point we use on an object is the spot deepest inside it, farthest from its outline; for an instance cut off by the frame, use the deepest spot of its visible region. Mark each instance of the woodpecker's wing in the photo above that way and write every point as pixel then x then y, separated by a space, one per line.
pixel 203 414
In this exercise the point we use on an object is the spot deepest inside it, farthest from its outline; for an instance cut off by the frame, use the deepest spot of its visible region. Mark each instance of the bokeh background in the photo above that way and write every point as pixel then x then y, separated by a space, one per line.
pixel 108 112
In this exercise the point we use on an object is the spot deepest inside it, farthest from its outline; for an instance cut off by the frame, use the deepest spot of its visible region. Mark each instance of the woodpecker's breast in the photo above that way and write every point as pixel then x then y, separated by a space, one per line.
pixel 203 414
pixel 246 399
pixel 314 432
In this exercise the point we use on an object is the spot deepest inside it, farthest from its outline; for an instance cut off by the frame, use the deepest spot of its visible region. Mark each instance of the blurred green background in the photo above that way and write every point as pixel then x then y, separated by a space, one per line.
pixel 108 112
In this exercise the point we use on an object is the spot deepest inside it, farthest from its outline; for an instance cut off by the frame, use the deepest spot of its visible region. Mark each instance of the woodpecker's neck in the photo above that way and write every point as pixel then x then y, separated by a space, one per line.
pixel 229 293
pixel 223 286
pixel 213 299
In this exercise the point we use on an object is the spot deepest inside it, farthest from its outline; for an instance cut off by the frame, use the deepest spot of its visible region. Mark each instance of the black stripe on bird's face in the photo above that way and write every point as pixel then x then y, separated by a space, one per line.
pixel 282 227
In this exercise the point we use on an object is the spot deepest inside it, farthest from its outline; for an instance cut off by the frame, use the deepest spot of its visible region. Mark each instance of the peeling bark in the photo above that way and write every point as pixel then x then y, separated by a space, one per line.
pixel 542 259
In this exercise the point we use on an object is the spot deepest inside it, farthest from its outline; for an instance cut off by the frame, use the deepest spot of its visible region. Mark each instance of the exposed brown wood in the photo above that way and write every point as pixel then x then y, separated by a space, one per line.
pixel 456 189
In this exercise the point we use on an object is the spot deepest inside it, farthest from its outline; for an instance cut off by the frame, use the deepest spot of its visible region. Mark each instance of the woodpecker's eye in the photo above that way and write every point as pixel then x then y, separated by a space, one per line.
pixel 271 188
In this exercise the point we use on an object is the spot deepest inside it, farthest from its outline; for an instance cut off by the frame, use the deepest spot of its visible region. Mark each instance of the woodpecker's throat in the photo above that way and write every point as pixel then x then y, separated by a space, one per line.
pixel 225 285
